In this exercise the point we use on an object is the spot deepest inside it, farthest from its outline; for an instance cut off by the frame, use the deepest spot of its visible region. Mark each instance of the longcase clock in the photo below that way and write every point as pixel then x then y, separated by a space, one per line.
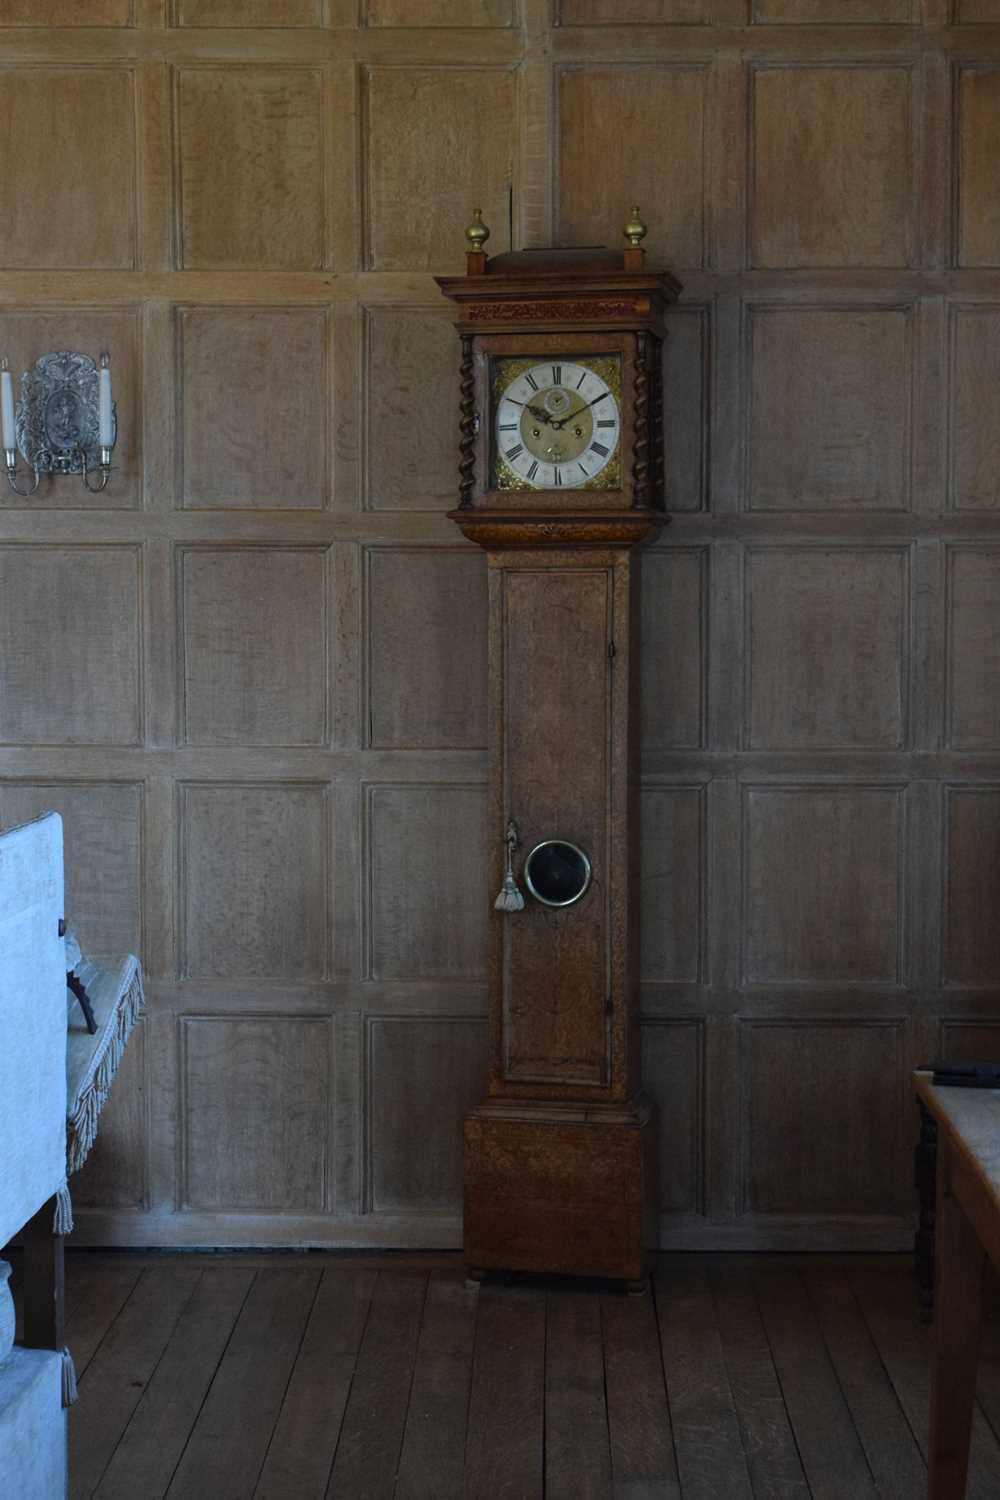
pixel 561 478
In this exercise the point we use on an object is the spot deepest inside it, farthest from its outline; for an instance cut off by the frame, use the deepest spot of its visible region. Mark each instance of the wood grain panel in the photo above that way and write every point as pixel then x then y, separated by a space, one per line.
pixel 69 667
pixel 426 649
pixel 426 887
pixel 686 370
pixel 250 163
pixel 66 12
pixel 822 887
pixel 255 1112
pixel 457 149
pixel 833 12
pixel 556 691
pixel 672 646
pixel 650 126
pixel 827 633
pixel 253 881
pixel 972 1041
pixel 978 189
pixel 114 1174
pixel 673 1076
pixel 830 177
pixel 631 12
pixel 254 634
pixel 672 857
pixel 254 407
pixel 440 12
pixel 974 649
pixel 972 934
pixel 975 408
pixel 248 13
pixel 424 1075
pixel 26 334
pixel 102 835
pixel 72 130
pixel 849 1077
pixel 411 397
pixel 971 12
pixel 831 393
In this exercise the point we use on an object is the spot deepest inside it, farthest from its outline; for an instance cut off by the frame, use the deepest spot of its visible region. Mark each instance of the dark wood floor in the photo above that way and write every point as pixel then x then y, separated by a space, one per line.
pixel 284 1377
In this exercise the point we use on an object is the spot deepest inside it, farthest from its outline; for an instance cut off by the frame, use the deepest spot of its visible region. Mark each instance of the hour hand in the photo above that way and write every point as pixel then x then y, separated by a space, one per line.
pixel 540 415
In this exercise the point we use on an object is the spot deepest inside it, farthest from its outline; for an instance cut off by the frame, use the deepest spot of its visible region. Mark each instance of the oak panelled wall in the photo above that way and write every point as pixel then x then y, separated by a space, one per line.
pixel 252 674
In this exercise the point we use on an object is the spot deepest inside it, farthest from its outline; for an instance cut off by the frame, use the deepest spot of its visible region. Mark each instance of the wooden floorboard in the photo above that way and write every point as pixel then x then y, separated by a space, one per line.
pixel 230 1436
pixel 305 1377
pixel 300 1454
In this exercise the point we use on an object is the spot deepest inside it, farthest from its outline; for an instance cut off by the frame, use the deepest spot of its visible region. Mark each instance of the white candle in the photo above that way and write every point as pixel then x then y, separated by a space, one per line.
pixel 105 435
pixel 7 402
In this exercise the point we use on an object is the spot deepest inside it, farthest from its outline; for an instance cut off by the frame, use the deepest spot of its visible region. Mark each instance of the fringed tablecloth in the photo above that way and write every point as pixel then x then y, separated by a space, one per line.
pixel 116 995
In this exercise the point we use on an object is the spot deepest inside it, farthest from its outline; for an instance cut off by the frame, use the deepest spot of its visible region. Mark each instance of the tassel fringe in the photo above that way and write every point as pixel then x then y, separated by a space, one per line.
pixel 69 1391
pixel 62 1222
pixel 83 1126
pixel 510 898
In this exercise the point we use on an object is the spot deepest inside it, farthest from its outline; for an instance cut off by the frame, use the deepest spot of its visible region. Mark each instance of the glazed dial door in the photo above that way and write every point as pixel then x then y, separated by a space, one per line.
pixel 557 423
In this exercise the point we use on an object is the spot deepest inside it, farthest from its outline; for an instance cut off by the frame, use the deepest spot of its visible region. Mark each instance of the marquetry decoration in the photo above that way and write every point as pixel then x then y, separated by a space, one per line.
pixel 560 477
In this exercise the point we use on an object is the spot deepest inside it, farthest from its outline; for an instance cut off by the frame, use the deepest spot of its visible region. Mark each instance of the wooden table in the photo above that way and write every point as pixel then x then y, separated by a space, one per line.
pixel 967 1230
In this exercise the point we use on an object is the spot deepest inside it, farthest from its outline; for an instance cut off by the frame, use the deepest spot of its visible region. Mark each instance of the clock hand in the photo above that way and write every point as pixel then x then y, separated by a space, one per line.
pixel 540 414
pixel 579 411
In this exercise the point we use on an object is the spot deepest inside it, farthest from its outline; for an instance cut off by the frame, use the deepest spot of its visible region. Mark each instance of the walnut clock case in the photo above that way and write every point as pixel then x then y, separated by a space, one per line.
pixel 561 477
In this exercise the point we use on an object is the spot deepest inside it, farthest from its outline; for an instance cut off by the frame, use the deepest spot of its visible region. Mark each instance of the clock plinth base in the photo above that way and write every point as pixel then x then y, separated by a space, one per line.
pixel 565 1192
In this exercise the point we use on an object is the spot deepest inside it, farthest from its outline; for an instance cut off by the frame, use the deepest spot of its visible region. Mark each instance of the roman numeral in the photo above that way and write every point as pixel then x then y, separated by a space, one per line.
pixel 516 451
pixel 583 466
pixel 607 422
pixel 514 399
pixel 531 381
pixel 600 448
pixel 532 471
pixel 557 374
pixel 558 476
pixel 508 426
pixel 582 379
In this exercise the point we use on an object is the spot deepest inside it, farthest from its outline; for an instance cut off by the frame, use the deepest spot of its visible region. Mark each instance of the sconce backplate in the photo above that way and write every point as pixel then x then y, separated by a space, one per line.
pixel 58 415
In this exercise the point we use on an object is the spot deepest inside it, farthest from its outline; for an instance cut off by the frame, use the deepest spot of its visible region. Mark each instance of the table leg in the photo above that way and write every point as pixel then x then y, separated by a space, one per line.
pixel 44 1296
pixel 957 1316
pixel 925 1176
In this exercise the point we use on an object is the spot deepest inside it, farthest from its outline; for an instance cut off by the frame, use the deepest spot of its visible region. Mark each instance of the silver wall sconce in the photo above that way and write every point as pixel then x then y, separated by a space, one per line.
pixel 65 421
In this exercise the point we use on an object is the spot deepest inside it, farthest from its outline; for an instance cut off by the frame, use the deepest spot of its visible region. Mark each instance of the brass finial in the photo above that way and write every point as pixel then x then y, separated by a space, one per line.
pixel 635 230
pixel 477 234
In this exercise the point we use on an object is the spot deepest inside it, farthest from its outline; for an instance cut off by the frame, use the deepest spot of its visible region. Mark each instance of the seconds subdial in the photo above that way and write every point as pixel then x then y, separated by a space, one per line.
pixel 557 425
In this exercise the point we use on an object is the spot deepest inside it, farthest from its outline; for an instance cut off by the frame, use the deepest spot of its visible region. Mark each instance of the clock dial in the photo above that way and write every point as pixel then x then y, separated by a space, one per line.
pixel 557 424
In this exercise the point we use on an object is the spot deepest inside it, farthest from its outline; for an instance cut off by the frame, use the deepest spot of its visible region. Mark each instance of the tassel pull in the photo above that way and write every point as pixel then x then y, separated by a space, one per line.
pixel 510 897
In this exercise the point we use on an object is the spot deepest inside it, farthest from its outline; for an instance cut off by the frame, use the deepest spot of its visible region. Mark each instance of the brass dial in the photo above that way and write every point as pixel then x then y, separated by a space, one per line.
pixel 557 423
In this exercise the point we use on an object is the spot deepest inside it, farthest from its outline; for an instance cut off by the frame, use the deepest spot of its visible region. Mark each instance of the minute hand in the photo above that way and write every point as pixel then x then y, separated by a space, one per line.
pixel 579 411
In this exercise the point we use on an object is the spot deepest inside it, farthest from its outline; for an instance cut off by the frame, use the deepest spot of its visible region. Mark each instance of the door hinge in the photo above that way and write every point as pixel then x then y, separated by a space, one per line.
pixel 612 652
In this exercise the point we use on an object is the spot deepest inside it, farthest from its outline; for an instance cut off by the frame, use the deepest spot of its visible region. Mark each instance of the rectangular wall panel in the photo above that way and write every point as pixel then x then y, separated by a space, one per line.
pixel 425 889
pixel 631 12
pixel 426 648
pixel 423 1076
pixel 250 165
pixel 829 185
pixel 830 397
pixel 672 641
pixel 69 140
pixel 254 408
pixel 673 1076
pixel 649 128
pixel 255 1113
pixel 67 12
pixel 672 858
pixel 440 12
pixel 254 645
pixel 822 889
pixel 254 881
pixel 972 934
pixel 827 631
pixel 411 402
pixel 974 417
pixel 114 1175
pixel 978 190
pixel 974 648
pixel 822 1128
pixel 456 154
pixel 71 631
pixel 248 12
